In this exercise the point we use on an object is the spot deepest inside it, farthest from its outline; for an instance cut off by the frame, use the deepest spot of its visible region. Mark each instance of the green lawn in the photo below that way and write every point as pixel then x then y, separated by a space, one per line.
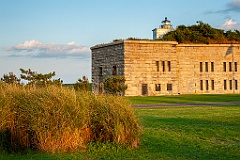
pixel 171 133
pixel 184 98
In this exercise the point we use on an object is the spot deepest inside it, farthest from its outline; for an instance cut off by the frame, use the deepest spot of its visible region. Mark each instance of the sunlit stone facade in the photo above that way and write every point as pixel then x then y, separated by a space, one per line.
pixel 168 68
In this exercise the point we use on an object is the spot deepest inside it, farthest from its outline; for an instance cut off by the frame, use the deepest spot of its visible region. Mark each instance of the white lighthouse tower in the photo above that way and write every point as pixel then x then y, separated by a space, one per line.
pixel 164 28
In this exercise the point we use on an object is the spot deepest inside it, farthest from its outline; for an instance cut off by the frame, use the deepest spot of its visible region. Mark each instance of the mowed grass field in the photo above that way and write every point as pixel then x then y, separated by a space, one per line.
pixel 210 132
pixel 194 98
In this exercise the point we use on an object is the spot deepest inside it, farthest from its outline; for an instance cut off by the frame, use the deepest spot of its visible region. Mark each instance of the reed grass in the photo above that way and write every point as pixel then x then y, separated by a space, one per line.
pixel 58 119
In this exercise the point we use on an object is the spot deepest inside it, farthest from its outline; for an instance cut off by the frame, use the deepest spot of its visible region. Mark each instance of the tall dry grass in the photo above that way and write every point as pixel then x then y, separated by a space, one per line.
pixel 112 119
pixel 57 119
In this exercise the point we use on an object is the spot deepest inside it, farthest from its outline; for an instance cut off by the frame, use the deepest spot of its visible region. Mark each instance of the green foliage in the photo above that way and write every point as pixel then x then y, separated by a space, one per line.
pixel 202 33
pixel 39 80
pixel 134 38
pixel 233 36
pixel 11 79
pixel 115 85
pixel 117 40
pixel 82 85
pixel 56 119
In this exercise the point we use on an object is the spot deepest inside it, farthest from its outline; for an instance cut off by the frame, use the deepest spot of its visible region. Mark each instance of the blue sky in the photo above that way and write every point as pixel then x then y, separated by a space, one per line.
pixel 56 35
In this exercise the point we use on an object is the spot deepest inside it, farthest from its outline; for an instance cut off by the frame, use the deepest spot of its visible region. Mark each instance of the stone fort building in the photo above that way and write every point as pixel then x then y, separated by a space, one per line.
pixel 168 68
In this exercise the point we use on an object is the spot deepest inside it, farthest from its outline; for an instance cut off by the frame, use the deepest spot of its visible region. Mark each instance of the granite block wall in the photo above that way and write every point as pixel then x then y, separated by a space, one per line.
pixel 168 68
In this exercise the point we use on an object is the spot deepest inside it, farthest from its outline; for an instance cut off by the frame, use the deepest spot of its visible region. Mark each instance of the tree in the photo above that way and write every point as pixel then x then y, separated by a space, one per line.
pixel 39 80
pixel 115 85
pixel 82 84
pixel 11 79
pixel 202 33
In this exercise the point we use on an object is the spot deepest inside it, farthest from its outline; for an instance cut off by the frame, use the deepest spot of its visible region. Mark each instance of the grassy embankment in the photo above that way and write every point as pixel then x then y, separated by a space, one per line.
pixel 173 133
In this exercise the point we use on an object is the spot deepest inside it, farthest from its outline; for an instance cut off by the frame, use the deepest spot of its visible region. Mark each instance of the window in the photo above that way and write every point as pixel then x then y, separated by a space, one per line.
pixel 206 66
pixel 201 85
pixel 169 66
pixel 201 69
pixel 169 87
pixel 225 84
pixel 114 70
pixel 224 66
pixel 230 66
pixel 212 84
pixel 212 66
pixel 158 87
pixel 100 71
pixel 157 64
pixel 163 66
pixel 230 84
pixel 235 66
pixel 207 85
pixel 236 85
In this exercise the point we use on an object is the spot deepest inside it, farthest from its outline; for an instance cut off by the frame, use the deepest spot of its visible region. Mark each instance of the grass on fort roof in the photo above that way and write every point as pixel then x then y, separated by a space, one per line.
pixel 170 133
pixel 194 98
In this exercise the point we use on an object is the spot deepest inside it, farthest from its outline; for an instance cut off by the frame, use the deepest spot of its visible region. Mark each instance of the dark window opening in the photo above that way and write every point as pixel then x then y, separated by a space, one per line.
pixel 100 71
pixel 114 70
pixel 224 66
pixel 201 69
pixel 230 84
pixel 163 66
pixel 157 64
pixel 169 87
pixel 236 85
pixel 213 85
pixel 169 66
pixel 206 66
pixel 158 87
pixel 225 84
pixel 207 85
pixel 201 85
pixel 235 66
pixel 212 66
pixel 230 66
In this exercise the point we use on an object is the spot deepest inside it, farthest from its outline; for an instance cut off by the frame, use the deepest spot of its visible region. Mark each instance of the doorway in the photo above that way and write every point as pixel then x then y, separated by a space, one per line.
pixel 144 89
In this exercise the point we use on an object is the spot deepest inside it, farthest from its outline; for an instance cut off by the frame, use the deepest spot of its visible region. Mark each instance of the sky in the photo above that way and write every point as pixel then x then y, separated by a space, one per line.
pixel 56 35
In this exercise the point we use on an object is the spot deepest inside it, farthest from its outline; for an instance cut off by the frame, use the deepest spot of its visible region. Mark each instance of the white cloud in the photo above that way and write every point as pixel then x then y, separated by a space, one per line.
pixel 35 48
pixel 230 25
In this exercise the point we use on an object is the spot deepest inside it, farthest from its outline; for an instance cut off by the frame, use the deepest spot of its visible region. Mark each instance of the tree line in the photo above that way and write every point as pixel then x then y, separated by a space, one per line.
pixel 112 85
pixel 34 79
pixel 202 33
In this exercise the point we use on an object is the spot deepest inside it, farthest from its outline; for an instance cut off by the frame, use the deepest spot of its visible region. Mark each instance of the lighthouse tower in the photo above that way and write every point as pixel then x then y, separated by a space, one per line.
pixel 164 28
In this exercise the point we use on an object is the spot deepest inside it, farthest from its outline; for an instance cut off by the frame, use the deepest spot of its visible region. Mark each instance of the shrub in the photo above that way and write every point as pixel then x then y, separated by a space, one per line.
pixel 112 119
pixel 115 85
pixel 57 119
pixel 82 85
